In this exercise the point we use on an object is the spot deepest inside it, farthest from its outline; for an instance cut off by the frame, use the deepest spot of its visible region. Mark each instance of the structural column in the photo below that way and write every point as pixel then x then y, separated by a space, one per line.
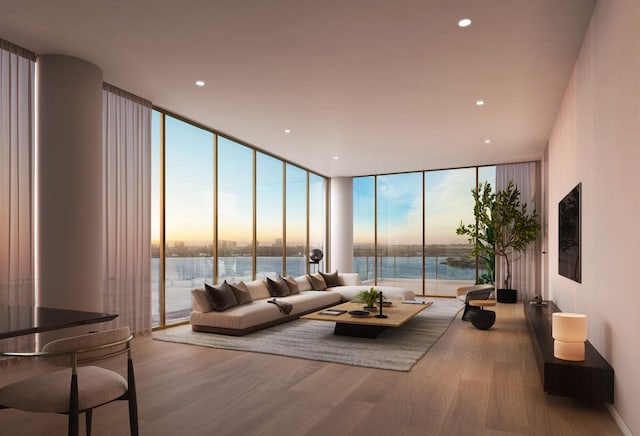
pixel 341 224
pixel 69 196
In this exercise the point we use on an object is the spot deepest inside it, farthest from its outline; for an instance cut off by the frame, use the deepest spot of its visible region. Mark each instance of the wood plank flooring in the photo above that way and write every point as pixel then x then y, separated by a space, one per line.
pixel 471 382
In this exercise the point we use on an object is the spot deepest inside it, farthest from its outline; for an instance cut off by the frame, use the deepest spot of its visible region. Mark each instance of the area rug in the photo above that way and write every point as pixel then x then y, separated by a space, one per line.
pixel 395 349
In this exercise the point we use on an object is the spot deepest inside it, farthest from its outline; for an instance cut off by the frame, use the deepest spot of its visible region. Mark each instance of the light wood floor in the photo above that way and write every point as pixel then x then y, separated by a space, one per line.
pixel 471 382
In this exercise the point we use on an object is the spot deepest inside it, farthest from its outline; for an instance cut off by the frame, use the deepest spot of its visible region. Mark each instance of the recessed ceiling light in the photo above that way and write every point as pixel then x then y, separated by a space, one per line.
pixel 465 22
pixel 336 157
pixel 287 131
pixel 479 102
pixel 200 82
pixel 487 141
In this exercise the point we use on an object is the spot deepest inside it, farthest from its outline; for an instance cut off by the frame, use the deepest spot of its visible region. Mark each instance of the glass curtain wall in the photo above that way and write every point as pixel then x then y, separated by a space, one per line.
pixel 399 230
pixel 447 201
pixel 296 221
pixel 269 216
pixel 235 211
pixel 318 216
pixel 188 212
pixel 486 270
pixel 364 228
pixel 405 225
pixel 223 211
pixel 156 214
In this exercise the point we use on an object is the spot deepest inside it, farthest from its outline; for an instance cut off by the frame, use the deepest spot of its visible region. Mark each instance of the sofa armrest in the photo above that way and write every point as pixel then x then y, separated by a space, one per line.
pixel 349 279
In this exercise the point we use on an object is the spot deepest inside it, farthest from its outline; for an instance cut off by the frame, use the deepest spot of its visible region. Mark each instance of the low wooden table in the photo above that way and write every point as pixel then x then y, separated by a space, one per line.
pixel 346 325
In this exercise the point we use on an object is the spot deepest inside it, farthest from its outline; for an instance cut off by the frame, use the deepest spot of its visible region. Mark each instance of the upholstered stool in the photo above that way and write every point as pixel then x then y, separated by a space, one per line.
pixel 482 319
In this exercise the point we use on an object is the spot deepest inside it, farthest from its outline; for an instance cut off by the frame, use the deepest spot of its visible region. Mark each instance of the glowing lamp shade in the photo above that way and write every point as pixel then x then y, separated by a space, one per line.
pixel 570 332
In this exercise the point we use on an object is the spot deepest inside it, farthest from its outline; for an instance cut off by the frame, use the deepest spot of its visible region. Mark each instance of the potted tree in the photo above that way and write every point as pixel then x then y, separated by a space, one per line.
pixel 502 228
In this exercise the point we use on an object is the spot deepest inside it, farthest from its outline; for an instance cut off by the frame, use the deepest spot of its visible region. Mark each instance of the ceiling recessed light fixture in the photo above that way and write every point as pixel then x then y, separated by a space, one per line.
pixel 465 22
pixel 287 131
pixel 199 82
pixel 480 102
pixel 336 157
pixel 487 141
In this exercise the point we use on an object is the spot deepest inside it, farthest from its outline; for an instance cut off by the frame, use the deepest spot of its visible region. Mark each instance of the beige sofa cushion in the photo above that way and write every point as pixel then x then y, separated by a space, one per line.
pixel 200 300
pixel 390 292
pixel 349 279
pixel 258 289
pixel 317 282
pixel 303 283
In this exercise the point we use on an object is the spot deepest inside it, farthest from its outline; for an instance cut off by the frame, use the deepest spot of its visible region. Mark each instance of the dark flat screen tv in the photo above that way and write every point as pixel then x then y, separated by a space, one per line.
pixel 569 235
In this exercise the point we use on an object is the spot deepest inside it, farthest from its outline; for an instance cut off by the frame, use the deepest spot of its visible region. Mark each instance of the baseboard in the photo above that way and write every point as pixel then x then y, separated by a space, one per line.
pixel 618 419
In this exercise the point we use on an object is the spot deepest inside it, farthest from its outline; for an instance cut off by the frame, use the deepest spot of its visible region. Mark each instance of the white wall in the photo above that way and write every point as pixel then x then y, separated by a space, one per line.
pixel 596 141
pixel 341 219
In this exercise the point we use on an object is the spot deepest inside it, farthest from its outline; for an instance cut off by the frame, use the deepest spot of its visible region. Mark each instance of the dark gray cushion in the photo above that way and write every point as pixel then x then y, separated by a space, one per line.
pixel 221 296
pixel 292 284
pixel 278 287
pixel 241 292
pixel 331 279
pixel 317 282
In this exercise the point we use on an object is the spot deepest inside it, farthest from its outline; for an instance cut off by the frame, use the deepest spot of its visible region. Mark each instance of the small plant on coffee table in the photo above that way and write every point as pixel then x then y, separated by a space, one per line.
pixel 368 298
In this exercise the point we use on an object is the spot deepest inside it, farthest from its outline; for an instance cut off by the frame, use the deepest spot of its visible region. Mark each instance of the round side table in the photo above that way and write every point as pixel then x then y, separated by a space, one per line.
pixel 482 319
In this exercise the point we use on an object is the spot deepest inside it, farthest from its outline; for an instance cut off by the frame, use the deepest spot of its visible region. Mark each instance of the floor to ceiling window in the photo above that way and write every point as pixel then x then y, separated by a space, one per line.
pixel 235 211
pixel 405 225
pixel 447 200
pixel 364 228
pixel 269 215
pixel 156 216
pixel 222 210
pixel 399 229
pixel 296 221
pixel 318 216
pixel 188 210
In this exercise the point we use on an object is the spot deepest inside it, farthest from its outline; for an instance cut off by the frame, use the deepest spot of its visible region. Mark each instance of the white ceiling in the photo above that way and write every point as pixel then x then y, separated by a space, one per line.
pixel 388 86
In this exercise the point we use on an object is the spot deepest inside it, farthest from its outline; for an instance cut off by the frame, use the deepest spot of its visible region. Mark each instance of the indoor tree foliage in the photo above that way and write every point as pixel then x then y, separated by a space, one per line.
pixel 502 228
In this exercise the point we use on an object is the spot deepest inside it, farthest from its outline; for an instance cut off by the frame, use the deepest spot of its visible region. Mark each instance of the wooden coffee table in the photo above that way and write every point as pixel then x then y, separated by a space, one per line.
pixel 346 325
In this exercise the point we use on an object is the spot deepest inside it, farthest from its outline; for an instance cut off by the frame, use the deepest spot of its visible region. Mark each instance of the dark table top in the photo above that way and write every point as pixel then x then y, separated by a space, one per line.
pixel 25 320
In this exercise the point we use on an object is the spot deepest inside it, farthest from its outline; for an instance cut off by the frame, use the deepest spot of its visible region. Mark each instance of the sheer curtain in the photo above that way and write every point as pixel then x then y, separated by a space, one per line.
pixel 17 78
pixel 127 157
pixel 524 270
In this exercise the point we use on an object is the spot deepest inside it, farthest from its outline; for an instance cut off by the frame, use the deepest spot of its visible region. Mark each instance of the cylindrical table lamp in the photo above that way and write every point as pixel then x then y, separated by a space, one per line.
pixel 570 332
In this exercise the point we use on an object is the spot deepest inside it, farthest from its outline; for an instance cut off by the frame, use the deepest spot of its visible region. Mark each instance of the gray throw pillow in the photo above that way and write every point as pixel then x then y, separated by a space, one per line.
pixel 292 284
pixel 331 279
pixel 277 287
pixel 221 296
pixel 241 292
pixel 317 282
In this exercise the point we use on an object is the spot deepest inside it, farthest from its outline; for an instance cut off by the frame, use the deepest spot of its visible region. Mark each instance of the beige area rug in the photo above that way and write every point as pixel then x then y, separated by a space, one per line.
pixel 396 349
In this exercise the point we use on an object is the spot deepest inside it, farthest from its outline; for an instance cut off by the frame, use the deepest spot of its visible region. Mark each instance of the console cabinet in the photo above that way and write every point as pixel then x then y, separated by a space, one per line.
pixel 591 380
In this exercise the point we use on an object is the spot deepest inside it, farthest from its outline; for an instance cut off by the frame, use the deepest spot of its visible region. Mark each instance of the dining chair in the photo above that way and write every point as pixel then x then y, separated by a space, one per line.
pixel 81 385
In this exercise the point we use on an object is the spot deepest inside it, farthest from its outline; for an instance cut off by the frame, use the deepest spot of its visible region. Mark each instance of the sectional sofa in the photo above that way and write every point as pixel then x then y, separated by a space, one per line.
pixel 253 311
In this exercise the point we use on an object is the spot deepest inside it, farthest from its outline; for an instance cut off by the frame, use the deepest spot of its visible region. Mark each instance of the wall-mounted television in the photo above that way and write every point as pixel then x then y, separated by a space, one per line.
pixel 569 235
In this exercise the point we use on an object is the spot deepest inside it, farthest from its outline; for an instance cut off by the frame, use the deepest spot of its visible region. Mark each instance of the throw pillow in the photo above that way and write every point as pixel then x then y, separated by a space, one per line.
pixel 292 284
pixel 317 282
pixel 202 300
pixel 221 296
pixel 277 287
pixel 331 279
pixel 241 292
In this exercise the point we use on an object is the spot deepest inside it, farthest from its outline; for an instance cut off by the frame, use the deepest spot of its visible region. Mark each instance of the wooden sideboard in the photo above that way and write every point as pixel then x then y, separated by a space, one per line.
pixel 590 380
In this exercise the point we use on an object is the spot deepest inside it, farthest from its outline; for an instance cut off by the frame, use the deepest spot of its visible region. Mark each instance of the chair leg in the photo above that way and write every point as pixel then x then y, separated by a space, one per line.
pixel 133 400
pixel 88 420
pixel 74 414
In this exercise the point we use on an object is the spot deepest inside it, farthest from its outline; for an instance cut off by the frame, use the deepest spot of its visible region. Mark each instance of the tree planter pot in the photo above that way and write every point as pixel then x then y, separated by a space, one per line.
pixel 507 296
